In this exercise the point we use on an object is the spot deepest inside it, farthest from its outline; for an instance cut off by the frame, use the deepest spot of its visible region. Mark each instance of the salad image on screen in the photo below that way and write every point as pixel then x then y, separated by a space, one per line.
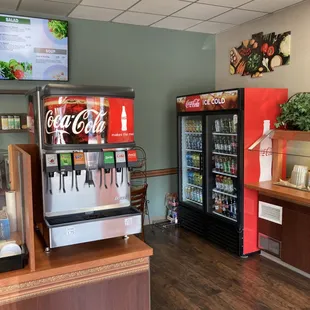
pixel 58 28
pixel 14 70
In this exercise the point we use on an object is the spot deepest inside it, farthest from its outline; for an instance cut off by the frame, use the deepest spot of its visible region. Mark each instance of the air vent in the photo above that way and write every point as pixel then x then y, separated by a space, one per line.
pixel 270 212
pixel 270 245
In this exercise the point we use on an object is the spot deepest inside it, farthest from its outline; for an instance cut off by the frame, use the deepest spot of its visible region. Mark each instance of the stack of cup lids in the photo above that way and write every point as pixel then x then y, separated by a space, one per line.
pixel 299 176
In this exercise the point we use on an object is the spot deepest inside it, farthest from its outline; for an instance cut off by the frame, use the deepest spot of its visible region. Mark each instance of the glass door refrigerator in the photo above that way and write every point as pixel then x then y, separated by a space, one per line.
pixel 214 131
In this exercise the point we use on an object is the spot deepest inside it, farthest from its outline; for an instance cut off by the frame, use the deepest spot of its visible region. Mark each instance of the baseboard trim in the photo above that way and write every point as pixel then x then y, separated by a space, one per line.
pixel 280 262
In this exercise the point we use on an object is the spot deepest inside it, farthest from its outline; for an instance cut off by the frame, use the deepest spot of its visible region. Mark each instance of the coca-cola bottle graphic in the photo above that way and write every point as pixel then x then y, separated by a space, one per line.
pixel 265 155
pixel 124 119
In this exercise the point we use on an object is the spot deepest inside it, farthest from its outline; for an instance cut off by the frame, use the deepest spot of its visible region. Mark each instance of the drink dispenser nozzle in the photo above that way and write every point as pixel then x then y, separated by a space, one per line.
pixel 51 166
pixel 108 164
pixel 65 166
pixel 91 164
pixel 132 162
pixel 120 164
pixel 78 166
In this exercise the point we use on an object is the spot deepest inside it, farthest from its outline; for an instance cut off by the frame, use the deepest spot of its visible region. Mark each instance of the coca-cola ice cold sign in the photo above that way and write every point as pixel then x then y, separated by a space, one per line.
pixel 88 120
pixel 224 100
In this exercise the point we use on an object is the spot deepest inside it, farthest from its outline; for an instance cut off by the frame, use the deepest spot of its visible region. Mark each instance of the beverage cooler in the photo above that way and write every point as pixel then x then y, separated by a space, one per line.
pixel 85 136
pixel 214 131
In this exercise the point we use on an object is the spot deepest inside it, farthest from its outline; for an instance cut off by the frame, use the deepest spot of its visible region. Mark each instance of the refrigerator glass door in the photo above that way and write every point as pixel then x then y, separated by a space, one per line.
pixel 191 176
pixel 223 159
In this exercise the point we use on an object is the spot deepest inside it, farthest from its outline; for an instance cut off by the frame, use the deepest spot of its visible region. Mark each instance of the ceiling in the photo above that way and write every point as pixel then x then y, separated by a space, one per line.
pixel 206 16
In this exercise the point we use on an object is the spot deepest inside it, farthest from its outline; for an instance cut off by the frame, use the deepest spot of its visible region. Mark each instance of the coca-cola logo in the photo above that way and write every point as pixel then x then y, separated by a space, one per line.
pixel 81 122
pixel 192 103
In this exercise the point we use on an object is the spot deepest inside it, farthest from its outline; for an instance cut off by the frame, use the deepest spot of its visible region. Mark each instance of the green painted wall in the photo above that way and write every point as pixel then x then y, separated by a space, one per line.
pixel 159 64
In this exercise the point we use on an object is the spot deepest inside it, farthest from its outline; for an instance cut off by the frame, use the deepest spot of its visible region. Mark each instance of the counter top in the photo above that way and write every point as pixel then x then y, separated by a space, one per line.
pixel 74 265
pixel 281 192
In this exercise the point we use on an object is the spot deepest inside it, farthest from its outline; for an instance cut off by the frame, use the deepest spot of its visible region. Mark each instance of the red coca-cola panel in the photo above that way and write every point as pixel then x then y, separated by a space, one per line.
pixel 121 121
pixel 260 104
pixel 87 120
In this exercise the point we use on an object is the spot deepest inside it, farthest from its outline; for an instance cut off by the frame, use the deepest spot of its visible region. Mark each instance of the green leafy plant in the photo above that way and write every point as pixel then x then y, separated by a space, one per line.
pixel 295 113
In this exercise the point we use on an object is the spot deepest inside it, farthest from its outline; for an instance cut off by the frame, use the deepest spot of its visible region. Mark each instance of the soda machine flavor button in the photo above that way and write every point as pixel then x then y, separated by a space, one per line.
pixel 51 161
pixel 65 161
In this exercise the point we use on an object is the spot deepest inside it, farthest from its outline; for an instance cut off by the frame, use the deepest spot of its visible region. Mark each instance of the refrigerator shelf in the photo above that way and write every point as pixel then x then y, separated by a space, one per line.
pixel 225 154
pixel 191 167
pixel 224 216
pixel 195 202
pixel 190 150
pixel 224 173
pixel 224 193
pixel 193 133
pixel 224 134
pixel 197 186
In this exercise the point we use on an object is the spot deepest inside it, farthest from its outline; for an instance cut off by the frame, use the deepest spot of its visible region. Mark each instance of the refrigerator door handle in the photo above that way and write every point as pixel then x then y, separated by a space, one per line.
pixel 200 164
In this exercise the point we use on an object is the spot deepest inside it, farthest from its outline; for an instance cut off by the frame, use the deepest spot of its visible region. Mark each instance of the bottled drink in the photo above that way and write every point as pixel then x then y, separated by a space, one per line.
pixel 218 163
pixel 221 145
pixel 225 145
pixel 230 186
pixel 198 126
pixel 234 145
pixel 231 126
pixel 221 183
pixel 217 126
pixel 233 168
pixel 265 155
pixel 217 182
pixel 229 147
pixel 235 123
pixel 222 125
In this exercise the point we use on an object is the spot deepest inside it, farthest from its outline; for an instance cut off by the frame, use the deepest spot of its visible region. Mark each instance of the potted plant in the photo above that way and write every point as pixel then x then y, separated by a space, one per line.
pixel 295 113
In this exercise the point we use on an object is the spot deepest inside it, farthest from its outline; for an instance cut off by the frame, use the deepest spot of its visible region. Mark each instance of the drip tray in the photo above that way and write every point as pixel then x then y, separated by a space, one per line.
pixel 81 217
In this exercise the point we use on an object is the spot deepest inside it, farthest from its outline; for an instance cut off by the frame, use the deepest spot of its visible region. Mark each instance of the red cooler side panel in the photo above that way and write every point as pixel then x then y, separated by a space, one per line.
pixel 259 104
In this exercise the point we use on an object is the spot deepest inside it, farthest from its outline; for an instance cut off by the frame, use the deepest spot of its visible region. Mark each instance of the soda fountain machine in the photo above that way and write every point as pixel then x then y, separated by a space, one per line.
pixel 85 136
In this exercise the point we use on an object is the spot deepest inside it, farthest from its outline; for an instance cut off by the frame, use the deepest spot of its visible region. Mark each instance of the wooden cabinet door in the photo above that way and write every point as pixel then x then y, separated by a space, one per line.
pixel 296 238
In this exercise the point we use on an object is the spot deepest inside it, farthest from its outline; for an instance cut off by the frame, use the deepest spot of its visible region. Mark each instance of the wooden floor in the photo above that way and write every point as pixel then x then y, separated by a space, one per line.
pixel 189 273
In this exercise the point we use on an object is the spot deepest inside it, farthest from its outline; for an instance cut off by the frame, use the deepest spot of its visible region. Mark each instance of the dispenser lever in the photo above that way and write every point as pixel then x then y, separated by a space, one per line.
pixel 63 183
pixel 116 178
pixel 59 181
pixel 128 177
pixel 111 178
pixel 76 182
pixel 72 180
pixel 49 181
pixel 122 179
pixel 100 172
pixel 105 179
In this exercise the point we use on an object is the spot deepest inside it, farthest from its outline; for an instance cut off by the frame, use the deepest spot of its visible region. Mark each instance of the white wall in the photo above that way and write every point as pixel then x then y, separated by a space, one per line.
pixel 296 76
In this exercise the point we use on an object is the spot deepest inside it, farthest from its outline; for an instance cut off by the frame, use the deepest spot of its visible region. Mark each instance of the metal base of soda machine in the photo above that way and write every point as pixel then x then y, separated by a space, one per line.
pixel 86 227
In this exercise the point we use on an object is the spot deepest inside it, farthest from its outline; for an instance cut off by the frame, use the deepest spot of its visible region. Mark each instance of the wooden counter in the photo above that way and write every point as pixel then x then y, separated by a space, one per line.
pixel 284 231
pixel 281 192
pixel 109 274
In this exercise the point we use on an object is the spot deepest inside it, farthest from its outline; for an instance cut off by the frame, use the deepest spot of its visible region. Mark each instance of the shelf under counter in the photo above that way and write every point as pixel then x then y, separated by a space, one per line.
pixel 281 192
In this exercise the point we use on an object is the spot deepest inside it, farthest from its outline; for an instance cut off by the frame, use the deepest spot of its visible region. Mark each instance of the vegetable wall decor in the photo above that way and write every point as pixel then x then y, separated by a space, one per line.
pixel 262 53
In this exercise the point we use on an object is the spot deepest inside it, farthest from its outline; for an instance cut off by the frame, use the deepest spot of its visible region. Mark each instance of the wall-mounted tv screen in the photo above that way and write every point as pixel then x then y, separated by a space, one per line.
pixel 33 49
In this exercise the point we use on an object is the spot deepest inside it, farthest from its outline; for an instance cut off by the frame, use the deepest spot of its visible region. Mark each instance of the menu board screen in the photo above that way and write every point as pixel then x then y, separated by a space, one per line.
pixel 33 49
